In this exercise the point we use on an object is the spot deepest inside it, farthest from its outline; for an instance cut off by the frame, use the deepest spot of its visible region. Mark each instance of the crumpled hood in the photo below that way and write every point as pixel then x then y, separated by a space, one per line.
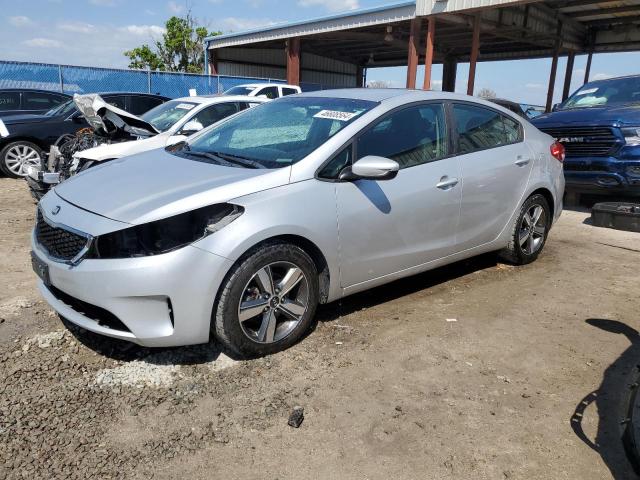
pixel 106 118
pixel 594 116
pixel 156 184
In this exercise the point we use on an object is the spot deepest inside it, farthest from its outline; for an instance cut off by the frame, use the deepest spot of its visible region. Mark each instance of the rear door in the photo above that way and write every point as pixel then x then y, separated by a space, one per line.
pixel 495 165
pixel 390 226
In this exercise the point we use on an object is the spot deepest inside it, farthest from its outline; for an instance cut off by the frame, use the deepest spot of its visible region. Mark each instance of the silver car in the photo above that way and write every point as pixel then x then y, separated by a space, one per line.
pixel 244 230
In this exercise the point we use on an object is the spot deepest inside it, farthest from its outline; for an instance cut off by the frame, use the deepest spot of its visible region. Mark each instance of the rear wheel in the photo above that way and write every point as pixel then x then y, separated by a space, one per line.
pixel 268 301
pixel 529 232
pixel 17 156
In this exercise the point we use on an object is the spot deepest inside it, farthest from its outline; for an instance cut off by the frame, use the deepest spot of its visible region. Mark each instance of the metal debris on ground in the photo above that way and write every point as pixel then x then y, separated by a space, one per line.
pixel 296 417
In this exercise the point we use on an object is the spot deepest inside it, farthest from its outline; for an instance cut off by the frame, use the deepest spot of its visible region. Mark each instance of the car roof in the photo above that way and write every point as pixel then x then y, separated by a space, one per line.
pixel 219 98
pixel 382 94
pixel 256 85
pixel 35 90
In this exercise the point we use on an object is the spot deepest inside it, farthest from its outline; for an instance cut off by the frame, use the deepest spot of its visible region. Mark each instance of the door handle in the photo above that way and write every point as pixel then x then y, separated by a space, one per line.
pixel 447 183
pixel 521 161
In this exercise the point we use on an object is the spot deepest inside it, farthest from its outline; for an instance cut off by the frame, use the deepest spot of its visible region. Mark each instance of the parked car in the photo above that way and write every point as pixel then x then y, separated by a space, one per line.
pixel 15 101
pixel 253 222
pixel 599 126
pixel 24 138
pixel 167 124
pixel 517 108
pixel 266 90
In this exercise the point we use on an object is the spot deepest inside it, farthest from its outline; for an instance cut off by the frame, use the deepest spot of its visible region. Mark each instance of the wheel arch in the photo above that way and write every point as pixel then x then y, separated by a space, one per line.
pixel 548 196
pixel 310 248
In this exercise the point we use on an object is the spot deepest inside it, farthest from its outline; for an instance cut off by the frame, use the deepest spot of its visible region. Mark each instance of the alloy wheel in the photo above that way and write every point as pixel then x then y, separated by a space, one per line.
pixel 19 157
pixel 533 229
pixel 273 302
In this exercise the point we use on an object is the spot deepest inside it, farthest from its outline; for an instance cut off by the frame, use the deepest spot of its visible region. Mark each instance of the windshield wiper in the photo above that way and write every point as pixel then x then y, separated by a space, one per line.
pixel 244 161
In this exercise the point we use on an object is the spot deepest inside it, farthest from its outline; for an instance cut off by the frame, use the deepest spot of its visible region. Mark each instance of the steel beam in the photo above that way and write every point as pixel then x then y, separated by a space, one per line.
pixel 475 50
pixel 293 61
pixel 428 59
pixel 554 68
pixel 567 75
pixel 412 59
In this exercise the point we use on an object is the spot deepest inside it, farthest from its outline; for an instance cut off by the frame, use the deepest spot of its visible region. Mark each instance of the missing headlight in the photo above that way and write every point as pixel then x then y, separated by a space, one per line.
pixel 166 235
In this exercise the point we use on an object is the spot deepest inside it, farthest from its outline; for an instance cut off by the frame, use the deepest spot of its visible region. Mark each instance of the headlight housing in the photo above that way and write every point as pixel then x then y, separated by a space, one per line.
pixel 632 136
pixel 166 235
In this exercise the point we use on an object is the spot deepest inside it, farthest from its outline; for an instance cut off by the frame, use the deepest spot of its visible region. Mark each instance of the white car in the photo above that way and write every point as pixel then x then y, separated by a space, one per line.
pixel 174 121
pixel 264 90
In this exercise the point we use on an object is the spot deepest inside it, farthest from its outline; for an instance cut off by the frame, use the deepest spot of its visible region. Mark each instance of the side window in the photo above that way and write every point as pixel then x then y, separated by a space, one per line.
pixel 117 101
pixel 332 169
pixel 39 101
pixel 288 91
pixel 481 128
pixel 269 92
pixel 9 101
pixel 512 130
pixel 142 104
pixel 215 113
pixel 412 136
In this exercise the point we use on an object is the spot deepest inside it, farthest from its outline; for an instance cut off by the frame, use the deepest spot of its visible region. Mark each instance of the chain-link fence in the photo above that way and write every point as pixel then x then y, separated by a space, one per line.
pixel 71 79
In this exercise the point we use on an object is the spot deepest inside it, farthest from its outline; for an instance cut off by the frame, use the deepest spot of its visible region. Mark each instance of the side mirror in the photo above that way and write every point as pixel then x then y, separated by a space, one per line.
pixel 555 107
pixel 191 127
pixel 371 168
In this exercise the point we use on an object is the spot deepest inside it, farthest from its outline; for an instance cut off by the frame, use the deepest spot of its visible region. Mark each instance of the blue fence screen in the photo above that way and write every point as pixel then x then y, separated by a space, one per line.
pixel 72 79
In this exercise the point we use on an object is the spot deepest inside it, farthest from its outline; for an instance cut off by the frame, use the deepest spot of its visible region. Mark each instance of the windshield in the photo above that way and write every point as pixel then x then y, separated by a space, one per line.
pixel 66 108
pixel 239 91
pixel 166 115
pixel 607 92
pixel 277 134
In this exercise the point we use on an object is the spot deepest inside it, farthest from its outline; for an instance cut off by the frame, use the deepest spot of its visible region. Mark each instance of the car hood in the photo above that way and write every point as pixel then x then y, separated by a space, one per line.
pixel 109 151
pixel 26 118
pixel 156 184
pixel 104 117
pixel 594 116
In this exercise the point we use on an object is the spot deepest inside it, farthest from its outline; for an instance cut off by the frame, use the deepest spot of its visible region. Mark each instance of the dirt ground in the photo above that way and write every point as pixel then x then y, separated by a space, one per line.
pixel 474 371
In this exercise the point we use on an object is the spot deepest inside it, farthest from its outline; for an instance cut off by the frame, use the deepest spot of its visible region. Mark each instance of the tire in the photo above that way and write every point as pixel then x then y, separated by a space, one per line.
pixel 266 327
pixel 528 241
pixel 16 156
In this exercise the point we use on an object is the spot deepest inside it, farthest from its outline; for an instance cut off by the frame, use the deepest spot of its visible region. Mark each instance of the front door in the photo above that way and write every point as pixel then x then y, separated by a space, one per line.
pixel 389 226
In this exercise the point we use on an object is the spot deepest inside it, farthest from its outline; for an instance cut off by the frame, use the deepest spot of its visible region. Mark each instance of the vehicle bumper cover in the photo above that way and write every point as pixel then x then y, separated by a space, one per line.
pixel 164 300
pixel 602 174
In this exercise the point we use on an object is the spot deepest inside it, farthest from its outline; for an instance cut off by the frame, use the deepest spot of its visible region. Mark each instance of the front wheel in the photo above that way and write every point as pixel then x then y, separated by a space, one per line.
pixel 16 157
pixel 529 232
pixel 268 301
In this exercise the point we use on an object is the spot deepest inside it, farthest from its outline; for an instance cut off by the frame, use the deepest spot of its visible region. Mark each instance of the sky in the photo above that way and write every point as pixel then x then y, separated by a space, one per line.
pixel 97 32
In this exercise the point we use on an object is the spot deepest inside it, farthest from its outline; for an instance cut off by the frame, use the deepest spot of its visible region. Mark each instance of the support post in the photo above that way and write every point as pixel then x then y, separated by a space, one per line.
pixel 213 62
pixel 428 59
pixel 412 60
pixel 475 50
pixel 293 61
pixel 567 75
pixel 587 70
pixel 359 76
pixel 554 68
pixel 449 73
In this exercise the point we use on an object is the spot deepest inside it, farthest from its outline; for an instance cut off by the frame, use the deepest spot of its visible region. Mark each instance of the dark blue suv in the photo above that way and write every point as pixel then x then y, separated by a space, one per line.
pixel 599 126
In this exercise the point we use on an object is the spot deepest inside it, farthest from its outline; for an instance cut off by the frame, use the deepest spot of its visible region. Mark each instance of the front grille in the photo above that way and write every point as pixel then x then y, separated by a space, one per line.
pixel 585 141
pixel 102 317
pixel 58 242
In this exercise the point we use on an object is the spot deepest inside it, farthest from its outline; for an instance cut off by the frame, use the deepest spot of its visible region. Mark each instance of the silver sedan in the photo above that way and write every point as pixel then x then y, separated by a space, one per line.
pixel 242 231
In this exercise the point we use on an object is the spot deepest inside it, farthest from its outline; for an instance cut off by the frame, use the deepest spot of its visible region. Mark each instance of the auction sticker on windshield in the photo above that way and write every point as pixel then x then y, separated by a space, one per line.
pixel 185 106
pixel 336 115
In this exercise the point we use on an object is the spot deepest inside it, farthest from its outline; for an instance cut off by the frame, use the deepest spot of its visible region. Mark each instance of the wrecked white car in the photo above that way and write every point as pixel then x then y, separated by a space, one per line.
pixel 115 133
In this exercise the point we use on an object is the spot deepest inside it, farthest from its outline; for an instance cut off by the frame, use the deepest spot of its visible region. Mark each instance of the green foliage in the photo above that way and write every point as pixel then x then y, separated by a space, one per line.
pixel 180 50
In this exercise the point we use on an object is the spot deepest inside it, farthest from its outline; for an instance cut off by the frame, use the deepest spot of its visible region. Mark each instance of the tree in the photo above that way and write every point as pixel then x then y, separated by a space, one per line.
pixel 486 93
pixel 180 50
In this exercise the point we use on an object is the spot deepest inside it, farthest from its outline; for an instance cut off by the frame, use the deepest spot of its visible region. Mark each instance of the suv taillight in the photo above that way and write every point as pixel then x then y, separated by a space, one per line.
pixel 557 151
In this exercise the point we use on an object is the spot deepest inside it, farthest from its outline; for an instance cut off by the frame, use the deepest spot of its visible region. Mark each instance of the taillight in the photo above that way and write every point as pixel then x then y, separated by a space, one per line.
pixel 557 151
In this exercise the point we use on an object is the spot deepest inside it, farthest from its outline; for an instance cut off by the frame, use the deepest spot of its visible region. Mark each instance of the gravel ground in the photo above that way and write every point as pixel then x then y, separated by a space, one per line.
pixel 470 371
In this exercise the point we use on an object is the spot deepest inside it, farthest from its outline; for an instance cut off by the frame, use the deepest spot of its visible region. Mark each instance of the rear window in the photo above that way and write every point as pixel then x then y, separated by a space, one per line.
pixel 40 101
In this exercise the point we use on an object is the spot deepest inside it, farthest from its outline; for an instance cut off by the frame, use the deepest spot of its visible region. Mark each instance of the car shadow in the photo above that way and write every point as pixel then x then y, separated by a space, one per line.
pixel 403 287
pixel 209 352
pixel 611 400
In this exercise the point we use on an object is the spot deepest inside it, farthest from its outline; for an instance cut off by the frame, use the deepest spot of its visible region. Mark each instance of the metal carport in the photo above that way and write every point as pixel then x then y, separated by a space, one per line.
pixel 336 50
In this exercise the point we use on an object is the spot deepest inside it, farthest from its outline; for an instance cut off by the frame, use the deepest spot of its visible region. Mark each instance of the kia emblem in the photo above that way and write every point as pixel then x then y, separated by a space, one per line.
pixel 56 210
